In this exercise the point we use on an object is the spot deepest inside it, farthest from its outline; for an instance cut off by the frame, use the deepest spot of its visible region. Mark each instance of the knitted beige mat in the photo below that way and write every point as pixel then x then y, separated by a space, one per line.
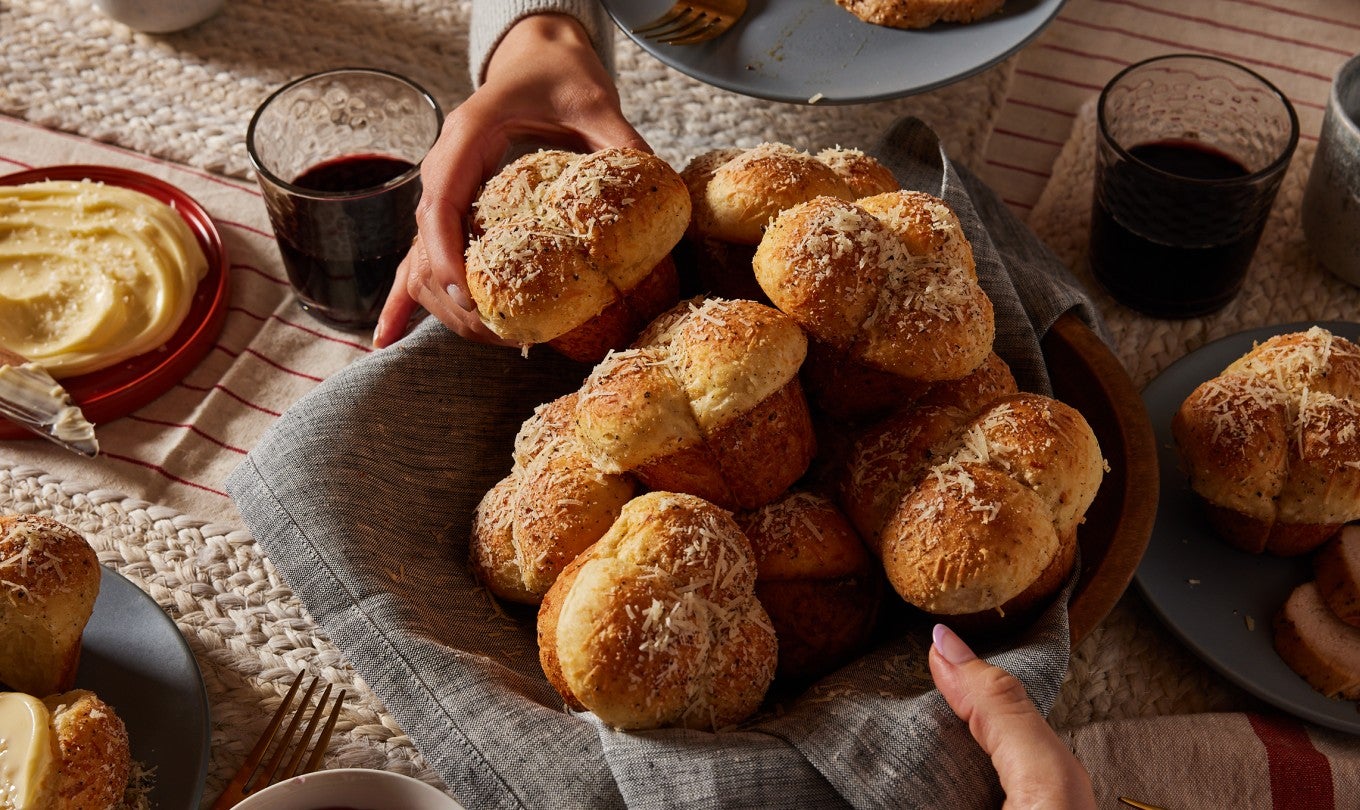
pixel 1130 666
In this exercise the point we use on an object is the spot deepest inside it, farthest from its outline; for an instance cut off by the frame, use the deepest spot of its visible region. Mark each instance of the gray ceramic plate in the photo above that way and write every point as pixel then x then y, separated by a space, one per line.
pixel 1220 601
pixel 135 658
pixel 795 50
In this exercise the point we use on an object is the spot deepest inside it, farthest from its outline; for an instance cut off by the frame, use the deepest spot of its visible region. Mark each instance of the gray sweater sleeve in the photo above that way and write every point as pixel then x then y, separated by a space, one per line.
pixel 492 18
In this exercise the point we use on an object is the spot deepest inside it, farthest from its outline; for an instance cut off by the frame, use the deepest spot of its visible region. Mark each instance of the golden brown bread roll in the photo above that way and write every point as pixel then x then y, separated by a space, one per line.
pixel 735 193
pixel 817 581
pixel 551 507
pixel 66 752
pixel 49 579
pixel 920 13
pixel 1272 445
pixel 887 281
pixel 975 515
pixel 1337 571
pixel 562 237
pixel 657 624
pixel 1316 644
pixel 707 402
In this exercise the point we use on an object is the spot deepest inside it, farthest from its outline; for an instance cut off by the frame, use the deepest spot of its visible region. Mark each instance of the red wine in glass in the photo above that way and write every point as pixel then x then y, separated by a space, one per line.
pixel 341 252
pixel 1173 231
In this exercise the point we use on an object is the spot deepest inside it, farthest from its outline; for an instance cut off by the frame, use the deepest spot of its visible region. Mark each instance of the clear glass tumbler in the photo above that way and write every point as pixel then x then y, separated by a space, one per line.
pixel 1190 152
pixel 337 155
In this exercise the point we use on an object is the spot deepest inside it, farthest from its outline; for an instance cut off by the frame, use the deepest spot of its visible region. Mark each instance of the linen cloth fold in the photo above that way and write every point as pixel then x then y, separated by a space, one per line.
pixel 363 494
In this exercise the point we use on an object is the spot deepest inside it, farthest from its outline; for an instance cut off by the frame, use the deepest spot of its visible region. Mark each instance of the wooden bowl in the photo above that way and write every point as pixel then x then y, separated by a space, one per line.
pixel 1087 376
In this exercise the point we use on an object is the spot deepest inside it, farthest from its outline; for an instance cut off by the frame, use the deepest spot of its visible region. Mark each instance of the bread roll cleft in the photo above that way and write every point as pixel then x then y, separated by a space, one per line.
pixel 551 507
pixel 887 282
pixel 657 624
pixel 975 514
pixel 706 402
pixel 1272 444
pixel 562 238
pixel 49 579
pixel 817 581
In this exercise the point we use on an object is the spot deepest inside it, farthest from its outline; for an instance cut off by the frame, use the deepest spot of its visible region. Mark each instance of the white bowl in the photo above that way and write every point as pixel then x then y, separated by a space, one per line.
pixel 350 789
pixel 159 16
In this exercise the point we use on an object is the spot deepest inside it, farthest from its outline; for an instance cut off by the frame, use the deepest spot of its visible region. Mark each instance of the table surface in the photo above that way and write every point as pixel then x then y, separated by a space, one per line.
pixel 78 88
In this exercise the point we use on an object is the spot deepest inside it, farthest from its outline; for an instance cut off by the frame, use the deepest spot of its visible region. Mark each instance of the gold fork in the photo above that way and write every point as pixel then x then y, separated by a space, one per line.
pixel 691 21
pixel 245 782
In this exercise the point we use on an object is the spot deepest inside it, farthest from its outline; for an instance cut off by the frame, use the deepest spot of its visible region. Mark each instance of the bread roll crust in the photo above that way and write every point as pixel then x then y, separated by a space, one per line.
pixel 1321 648
pixel 817 581
pixel 975 515
pixel 746 192
pixel 707 402
pixel 1337 570
pixel 657 624
pixel 553 504
pixel 561 237
pixel 889 279
pixel 94 751
pixel 1272 445
pixel 920 13
pixel 49 580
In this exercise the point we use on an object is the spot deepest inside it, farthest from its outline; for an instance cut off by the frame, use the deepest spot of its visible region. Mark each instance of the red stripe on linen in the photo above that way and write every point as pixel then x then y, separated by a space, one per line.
pixel 219 387
pixel 295 325
pixel 1058 79
pixel 19 163
pixel 159 470
pixel 191 429
pixel 1034 105
pixel 1212 23
pixel 261 273
pixel 1086 54
pixel 179 167
pixel 1017 203
pixel 1025 136
pixel 1289 10
pixel 1300 775
pixel 254 353
pixel 1187 46
pixel 1016 168
pixel 247 228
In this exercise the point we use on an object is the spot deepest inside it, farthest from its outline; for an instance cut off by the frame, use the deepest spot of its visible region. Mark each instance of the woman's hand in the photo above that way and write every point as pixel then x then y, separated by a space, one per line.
pixel 544 83
pixel 1035 768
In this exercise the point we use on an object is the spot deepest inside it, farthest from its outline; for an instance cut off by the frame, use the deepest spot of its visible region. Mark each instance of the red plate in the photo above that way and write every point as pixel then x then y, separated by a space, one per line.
pixel 118 390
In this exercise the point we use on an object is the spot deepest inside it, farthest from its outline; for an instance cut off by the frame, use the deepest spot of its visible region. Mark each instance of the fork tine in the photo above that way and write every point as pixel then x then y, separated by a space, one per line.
pixel 691 27
pixel 314 761
pixel 267 736
pixel 678 13
pixel 300 746
pixel 267 775
pixel 712 29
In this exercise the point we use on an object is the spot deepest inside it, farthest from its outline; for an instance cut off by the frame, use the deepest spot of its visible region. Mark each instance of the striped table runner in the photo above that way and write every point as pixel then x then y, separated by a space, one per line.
pixel 177 450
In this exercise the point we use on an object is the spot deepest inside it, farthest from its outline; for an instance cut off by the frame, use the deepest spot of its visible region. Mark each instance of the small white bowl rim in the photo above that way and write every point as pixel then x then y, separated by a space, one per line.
pixel 439 800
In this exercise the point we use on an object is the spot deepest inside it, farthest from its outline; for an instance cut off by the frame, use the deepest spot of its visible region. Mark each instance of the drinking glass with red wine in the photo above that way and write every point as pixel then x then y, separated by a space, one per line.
pixel 337 156
pixel 1190 151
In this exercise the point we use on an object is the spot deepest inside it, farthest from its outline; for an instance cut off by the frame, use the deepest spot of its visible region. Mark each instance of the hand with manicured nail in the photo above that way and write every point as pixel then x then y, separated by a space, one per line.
pixel 1035 767
pixel 544 83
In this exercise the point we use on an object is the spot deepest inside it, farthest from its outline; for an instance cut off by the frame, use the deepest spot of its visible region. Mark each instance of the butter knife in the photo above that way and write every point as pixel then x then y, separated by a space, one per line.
pixel 30 397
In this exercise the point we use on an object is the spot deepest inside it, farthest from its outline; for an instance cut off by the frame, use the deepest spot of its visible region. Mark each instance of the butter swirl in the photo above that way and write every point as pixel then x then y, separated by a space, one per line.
pixel 91 274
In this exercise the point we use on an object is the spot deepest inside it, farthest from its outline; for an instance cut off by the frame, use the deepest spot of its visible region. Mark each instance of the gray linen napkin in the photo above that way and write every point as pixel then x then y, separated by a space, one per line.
pixel 362 495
